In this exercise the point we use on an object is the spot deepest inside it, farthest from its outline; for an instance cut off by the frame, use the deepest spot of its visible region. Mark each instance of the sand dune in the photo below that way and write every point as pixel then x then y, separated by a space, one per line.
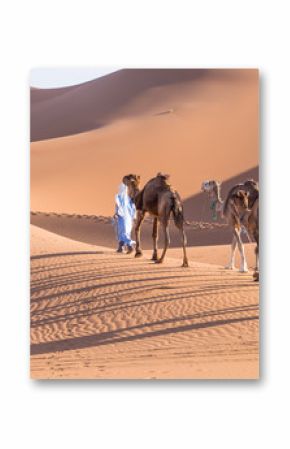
pixel 96 314
pixel 56 112
pixel 192 124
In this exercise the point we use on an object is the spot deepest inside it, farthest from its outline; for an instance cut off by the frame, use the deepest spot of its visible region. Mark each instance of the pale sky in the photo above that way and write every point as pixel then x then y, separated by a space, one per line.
pixel 48 77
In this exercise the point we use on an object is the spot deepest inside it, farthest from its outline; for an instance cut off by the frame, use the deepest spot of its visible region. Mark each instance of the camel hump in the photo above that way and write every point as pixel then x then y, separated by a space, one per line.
pixel 163 176
pixel 251 183
pixel 230 195
pixel 250 186
pixel 253 188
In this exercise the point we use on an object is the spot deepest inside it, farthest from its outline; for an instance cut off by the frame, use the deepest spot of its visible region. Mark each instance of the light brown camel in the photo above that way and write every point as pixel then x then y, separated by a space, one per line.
pixel 159 199
pixel 237 209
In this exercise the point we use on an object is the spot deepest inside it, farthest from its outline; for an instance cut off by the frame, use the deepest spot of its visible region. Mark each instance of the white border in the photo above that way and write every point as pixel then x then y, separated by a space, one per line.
pixel 148 34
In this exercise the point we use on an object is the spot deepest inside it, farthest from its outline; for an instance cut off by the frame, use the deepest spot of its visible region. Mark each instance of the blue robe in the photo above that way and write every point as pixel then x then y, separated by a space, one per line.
pixel 126 211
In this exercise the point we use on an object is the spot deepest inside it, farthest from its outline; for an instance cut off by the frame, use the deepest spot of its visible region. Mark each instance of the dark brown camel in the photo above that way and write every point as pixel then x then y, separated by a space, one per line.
pixel 159 199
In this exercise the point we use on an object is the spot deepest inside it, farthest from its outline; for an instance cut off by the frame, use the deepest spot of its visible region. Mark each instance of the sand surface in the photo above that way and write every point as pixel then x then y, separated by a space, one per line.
pixel 97 314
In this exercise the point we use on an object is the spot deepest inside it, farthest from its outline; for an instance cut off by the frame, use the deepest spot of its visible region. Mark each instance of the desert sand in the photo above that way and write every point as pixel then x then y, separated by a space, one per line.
pixel 97 314
pixel 194 126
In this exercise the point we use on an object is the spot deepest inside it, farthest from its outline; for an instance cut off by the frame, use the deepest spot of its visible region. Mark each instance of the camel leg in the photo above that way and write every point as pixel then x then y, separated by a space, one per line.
pixel 256 276
pixel 256 273
pixel 257 258
pixel 244 266
pixel 184 243
pixel 140 218
pixel 256 235
pixel 165 226
pixel 231 264
pixel 155 238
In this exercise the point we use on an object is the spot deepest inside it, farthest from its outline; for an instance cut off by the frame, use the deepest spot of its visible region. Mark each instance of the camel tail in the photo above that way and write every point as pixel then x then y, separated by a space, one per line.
pixel 177 210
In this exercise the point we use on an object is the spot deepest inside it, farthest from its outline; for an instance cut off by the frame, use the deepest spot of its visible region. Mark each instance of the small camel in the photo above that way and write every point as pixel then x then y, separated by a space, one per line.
pixel 238 210
pixel 159 199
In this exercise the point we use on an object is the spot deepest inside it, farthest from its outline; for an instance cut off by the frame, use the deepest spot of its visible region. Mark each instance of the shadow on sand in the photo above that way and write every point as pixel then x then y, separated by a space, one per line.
pixel 106 338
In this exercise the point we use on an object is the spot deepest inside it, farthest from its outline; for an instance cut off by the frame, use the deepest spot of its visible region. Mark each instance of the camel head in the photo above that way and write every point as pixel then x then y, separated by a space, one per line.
pixel 213 189
pixel 132 182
